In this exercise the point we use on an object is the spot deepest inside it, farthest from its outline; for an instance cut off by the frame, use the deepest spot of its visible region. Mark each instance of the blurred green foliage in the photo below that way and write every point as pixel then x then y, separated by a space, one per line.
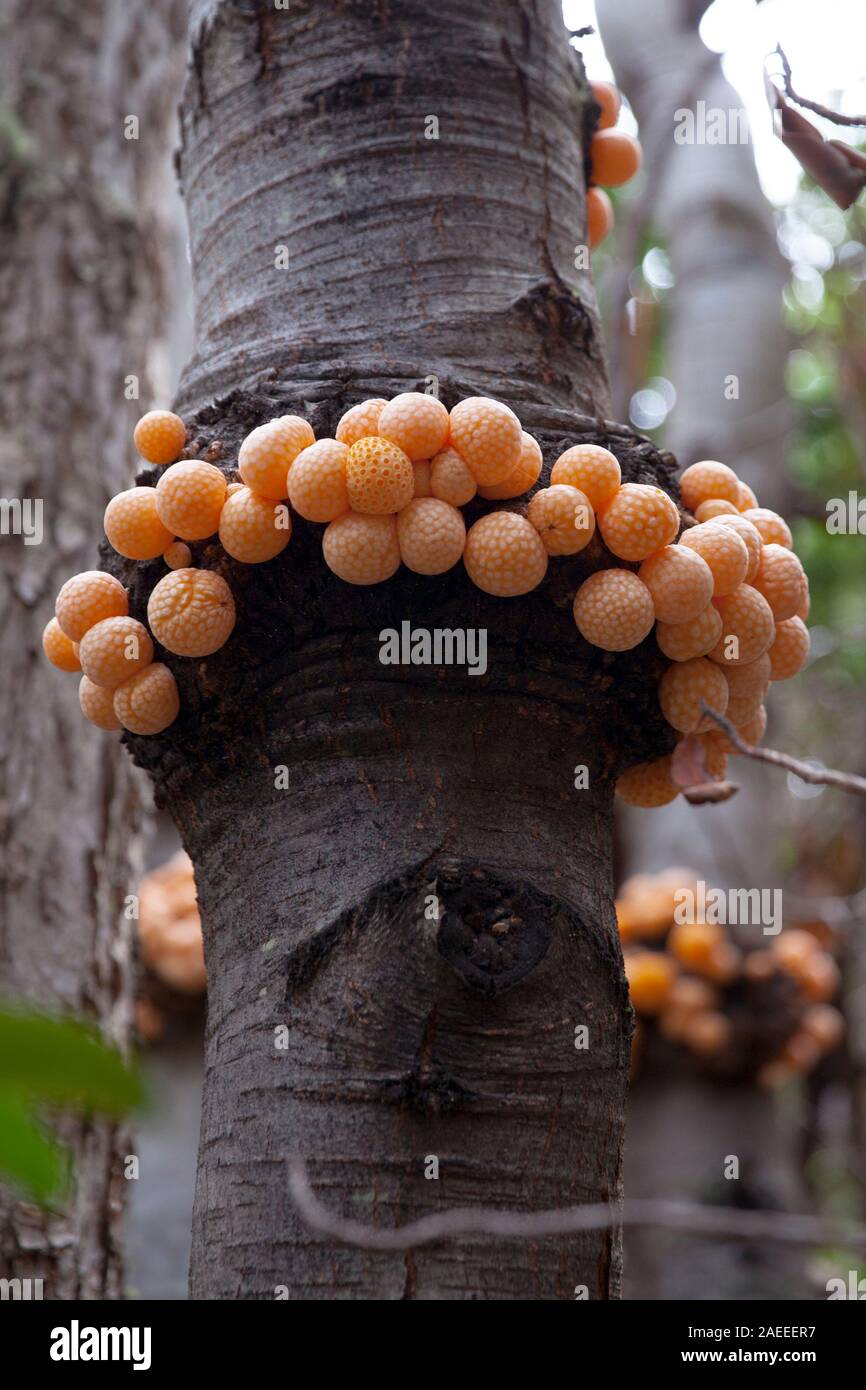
pixel 59 1062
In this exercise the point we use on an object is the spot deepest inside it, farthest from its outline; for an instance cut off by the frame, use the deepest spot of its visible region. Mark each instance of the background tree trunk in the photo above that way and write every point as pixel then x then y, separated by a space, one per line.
pixel 408 259
pixel 723 316
pixel 82 278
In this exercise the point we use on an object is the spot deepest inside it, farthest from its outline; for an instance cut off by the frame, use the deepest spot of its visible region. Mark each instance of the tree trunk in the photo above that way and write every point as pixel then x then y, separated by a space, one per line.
pixel 416 1029
pixel 81 279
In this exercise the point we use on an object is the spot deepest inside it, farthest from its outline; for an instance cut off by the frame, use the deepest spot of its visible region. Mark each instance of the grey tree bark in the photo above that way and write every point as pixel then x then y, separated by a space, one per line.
pixel 81 288
pixel 410 1037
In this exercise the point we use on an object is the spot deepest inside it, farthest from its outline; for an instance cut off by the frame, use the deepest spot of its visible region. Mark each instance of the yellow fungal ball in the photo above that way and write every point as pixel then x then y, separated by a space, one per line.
pixel 417 423
pixel 563 518
pixel 148 702
pixel 133 527
pixel 159 437
pixel 431 535
pixel 639 520
pixel 86 599
pixel 317 481
pixel 450 479
pixel 613 609
pixel 360 421
pixel 487 435
pixel 680 581
pixel 504 555
pixel 522 478
pixel 709 479
pixel 683 641
pixel 191 612
pixel 362 549
pixel 268 452
pixel 60 650
pixel 113 650
pixel 97 705
pixel 379 477
pixel 189 499
pixel 682 688
pixel 254 529
pixel 592 469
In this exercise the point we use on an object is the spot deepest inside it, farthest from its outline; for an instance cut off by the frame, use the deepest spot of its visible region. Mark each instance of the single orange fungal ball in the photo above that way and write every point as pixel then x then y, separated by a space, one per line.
pixel 614 610
pixel 421 469
pixel 723 550
pixel 362 549
pixel 789 649
pixel 707 1033
pixel 639 520
pixel 615 157
pixel 487 435
pixel 599 216
pixel 523 477
pixel 693 944
pixel 650 976
pixel 608 98
pixel 113 650
pixel 648 784
pixel 592 469
pixel 86 599
pixel 97 705
pixel 680 581
pixel 747 627
pixel 177 555
pixel 133 526
pixel 148 702
pixel 773 528
pixel 159 437
pixel 189 499
pixel 563 518
pixel 683 641
pixel 750 679
pixel 504 555
pixel 450 478
pixel 360 421
pixel 379 477
pixel 709 479
pixel 714 507
pixel 317 481
pixel 825 1025
pixel 682 688
pixel 747 498
pixel 233 488
pixel 254 529
pixel 191 612
pixel 60 649
pixel 751 538
pixel 431 535
pixel 417 423
pixel 268 452
pixel 781 579
pixel 753 730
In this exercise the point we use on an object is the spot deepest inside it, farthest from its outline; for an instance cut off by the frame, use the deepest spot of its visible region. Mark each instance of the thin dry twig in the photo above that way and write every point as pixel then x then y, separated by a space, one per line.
pixel 817 776
pixel 826 111
pixel 783 1228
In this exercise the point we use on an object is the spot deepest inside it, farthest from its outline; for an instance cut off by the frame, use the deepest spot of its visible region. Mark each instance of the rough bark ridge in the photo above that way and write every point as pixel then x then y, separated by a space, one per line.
pixel 408 1037
pixel 81 281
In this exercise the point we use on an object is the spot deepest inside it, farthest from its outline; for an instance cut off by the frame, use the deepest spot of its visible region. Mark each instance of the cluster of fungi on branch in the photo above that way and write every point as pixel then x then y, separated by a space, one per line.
pixel 741 1009
pixel 727 596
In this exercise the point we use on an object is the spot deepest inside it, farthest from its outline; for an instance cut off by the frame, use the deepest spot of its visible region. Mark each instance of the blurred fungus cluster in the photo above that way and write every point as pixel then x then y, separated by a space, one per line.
pixel 745 1002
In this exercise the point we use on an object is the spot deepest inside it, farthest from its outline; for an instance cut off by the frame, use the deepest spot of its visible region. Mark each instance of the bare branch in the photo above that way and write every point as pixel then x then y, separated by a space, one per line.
pixel 780 1227
pixel 817 776
pixel 827 112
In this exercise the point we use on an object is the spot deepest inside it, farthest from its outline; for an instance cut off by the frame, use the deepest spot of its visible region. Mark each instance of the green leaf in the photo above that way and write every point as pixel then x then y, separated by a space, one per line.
pixel 28 1157
pixel 65 1062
